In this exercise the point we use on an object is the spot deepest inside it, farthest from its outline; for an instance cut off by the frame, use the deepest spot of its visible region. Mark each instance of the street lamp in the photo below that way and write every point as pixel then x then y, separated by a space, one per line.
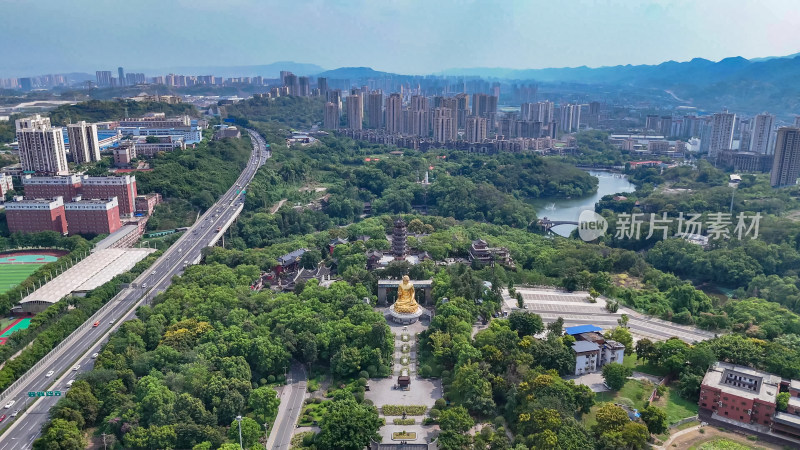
pixel 266 436
pixel 239 419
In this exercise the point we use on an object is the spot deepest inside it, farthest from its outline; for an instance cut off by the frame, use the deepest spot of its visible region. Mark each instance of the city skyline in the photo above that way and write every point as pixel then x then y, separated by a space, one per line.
pixel 246 32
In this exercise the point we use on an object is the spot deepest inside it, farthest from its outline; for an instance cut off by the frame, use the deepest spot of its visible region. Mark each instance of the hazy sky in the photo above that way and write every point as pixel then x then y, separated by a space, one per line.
pixel 403 36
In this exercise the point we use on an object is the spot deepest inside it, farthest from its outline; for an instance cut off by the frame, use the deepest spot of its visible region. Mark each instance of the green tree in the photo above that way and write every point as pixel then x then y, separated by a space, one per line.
pixel 783 401
pixel 525 323
pixel 556 328
pixel 655 418
pixel 264 403
pixel 471 387
pixel 251 431
pixel 60 434
pixel 609 418
pixel 621 335
pixel 454 424
pixel 348 425
pixel 645 349
pixel 615 375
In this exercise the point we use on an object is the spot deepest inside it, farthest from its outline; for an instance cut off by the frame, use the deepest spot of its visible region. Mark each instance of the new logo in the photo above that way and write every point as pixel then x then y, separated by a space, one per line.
pixel 591 225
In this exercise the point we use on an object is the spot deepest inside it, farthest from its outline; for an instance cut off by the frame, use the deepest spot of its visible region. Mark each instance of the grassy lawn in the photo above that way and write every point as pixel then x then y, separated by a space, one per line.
pixel 722 444
pixel 638 365
pixel 676 407
pixel 635 390
pixel 5 321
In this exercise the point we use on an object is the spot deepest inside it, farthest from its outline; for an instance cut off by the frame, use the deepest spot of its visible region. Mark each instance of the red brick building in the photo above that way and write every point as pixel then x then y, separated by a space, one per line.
pixel 124 188
pixel 749 396
pixel 146 203
pixel 67 186
pixel 35 215
pixel 94 216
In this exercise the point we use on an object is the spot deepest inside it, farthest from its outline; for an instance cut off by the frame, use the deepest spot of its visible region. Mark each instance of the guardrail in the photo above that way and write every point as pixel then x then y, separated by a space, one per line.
pixel 69 340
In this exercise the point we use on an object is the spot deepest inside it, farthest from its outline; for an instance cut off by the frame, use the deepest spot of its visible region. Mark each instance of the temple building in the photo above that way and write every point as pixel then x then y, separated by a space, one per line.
pixel 400 239
pixel 481 252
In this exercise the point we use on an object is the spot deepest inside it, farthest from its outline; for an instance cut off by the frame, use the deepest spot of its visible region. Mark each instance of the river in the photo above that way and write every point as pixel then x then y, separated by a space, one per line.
pixel 570 209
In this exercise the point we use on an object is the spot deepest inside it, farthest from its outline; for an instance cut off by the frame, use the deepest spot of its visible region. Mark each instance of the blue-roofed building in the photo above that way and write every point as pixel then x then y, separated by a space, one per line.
pixel 578 329
pixel 592 349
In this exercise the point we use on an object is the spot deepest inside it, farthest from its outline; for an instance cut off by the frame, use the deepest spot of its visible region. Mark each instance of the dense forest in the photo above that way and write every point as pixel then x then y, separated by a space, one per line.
pixel 191 180
pixel 210 349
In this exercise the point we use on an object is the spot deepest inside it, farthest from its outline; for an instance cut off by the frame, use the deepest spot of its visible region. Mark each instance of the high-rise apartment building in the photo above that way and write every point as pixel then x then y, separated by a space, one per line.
pixel 103 78
pixel 41 147
pixel 786 162
pixel 322 85
pixel 462 109
pixel 335 97
pixel 83 143
pixel 444 126
pixel 760 133
pixel 797 121
pixel 479 104
pixel 331 116
pixel 291 81
pixel 475 130
pixel 375 109
pixel 284 74
pixel 355 112
pixel 722 125
pixel 304 86
pixel 26 84
pixel 537 112
pixel 652 122
pixel 394 113
pixel 418 122
pixel 121 74
pixel 132 79
pixel 570 117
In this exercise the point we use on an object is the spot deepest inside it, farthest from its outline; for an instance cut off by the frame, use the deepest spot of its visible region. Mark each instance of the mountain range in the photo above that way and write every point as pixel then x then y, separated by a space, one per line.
pixel 749 86
pixel 265 70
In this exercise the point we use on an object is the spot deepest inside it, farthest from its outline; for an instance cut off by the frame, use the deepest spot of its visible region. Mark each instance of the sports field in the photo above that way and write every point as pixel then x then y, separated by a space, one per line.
pixel 12 326
pixel 14 274
pixel 15 268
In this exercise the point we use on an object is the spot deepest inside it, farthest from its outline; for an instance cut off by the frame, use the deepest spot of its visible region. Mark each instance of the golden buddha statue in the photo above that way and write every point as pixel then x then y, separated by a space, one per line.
pixel 405 297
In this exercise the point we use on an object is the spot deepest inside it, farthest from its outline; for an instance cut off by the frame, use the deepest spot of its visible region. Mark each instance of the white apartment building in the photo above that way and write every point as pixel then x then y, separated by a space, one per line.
pixel 84 145
pixel 41 147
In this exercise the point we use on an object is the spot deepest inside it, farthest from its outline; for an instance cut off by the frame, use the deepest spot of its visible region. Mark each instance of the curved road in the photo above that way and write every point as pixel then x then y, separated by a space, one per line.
pixel 76 358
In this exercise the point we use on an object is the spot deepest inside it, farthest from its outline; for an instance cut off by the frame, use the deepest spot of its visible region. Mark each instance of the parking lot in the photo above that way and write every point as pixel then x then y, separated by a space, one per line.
pixel 576 309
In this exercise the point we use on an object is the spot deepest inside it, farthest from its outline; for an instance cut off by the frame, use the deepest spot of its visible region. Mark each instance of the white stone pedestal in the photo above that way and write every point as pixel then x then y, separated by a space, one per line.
pixel 405 318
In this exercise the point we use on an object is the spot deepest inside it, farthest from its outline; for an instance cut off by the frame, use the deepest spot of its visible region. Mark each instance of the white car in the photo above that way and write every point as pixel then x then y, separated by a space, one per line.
pixel 75 369
pixel 111 321
pixel 14 414
pixel 50 374
pixel 69 383
pixel 10 404
pixel 94 355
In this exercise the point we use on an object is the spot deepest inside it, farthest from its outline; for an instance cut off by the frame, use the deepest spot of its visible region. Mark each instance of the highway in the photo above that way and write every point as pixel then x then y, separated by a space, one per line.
pixel 76 357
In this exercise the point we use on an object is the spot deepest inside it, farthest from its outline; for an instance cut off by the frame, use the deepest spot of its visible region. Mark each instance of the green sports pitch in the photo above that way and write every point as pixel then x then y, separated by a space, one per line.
pixel 13 274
